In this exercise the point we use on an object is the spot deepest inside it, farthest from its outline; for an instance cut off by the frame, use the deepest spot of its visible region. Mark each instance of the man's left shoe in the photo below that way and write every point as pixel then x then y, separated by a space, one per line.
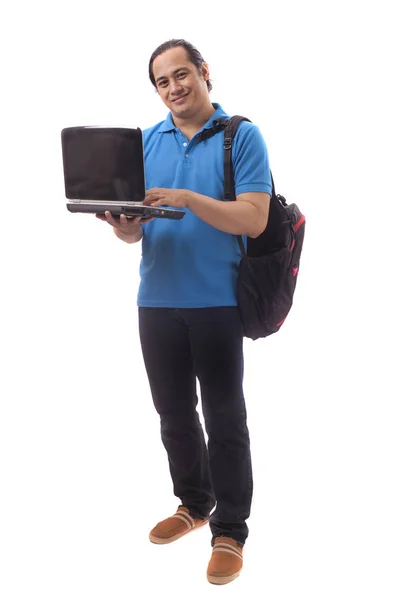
pixel 226 561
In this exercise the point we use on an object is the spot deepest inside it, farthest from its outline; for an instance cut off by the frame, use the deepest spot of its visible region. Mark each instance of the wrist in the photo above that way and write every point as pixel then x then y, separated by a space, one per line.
pixel 190 198
pixel 129 238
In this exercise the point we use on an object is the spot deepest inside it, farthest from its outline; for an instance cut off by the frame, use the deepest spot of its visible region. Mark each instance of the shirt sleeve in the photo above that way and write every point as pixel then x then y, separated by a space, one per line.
pixel 250 160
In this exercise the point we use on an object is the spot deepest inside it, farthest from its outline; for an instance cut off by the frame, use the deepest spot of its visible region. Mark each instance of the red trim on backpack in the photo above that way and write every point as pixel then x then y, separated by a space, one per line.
pixel 299 223
pixel 280 323
pixel 292 246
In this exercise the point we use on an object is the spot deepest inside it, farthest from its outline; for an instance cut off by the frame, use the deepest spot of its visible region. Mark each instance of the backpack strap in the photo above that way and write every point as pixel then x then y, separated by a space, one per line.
pixel 229 126
pixel 216 126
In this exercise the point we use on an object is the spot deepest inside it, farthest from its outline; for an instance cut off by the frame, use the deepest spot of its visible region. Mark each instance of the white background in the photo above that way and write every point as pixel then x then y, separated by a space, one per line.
pixel 83 474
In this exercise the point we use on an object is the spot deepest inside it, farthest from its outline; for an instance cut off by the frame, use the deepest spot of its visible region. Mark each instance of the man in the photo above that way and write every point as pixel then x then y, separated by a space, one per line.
pixel 189 322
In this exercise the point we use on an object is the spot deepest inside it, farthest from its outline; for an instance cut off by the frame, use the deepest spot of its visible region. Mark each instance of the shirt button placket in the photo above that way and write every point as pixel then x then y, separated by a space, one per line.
pixel 187 154
pixel 185 146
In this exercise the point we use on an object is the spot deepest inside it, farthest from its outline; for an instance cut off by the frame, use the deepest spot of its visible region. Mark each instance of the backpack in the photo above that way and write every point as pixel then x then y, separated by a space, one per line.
pixel 269 268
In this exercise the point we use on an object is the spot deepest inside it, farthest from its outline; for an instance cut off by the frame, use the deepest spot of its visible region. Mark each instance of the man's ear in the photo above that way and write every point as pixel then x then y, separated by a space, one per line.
pixel 205 71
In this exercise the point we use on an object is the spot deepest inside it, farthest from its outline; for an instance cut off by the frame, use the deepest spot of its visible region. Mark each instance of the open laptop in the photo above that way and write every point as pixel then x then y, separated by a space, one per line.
pixel 104 171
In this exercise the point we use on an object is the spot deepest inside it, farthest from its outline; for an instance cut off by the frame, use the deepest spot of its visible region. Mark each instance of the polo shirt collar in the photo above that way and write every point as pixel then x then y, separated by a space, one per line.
pixel 169 125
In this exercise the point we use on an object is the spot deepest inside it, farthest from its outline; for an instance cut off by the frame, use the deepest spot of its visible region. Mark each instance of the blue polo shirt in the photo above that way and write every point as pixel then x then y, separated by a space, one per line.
pixel 188 263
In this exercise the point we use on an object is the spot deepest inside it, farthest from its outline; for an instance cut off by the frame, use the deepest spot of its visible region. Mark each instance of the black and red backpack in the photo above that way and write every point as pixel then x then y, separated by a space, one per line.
pixel 269 268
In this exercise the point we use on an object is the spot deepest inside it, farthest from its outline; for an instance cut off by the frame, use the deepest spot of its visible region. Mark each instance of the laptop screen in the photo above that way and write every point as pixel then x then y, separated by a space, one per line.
pixel 103 163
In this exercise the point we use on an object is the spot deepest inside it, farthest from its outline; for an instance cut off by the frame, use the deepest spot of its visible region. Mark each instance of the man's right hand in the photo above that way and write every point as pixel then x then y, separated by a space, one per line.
pixel 128 229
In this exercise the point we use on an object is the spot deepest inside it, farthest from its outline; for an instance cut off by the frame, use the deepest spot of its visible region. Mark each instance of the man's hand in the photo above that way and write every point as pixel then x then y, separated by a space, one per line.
pixel 167 197
pixel 126 228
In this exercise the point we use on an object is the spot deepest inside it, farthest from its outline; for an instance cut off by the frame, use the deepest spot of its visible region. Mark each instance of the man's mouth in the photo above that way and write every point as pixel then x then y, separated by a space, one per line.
pixel 180 98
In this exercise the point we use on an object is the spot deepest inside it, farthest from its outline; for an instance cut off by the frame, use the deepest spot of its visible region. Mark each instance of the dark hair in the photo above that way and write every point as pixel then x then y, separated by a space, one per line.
pixel 192 52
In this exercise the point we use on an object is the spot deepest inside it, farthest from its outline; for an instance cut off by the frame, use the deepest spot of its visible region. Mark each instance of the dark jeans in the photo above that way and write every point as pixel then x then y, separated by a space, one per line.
pixel 179 345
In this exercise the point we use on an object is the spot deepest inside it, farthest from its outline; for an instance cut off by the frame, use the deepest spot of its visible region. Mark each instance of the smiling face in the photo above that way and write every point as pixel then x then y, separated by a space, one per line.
pixel 181 86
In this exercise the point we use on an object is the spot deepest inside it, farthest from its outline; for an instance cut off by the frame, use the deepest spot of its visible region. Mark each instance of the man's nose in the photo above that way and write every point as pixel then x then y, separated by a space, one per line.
pixel 176 87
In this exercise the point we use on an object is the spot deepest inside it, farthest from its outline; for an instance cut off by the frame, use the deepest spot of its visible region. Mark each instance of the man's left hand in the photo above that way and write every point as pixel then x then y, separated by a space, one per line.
pixel 167 197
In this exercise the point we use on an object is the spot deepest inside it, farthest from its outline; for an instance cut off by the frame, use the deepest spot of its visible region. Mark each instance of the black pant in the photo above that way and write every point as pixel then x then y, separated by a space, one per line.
pixel 179 345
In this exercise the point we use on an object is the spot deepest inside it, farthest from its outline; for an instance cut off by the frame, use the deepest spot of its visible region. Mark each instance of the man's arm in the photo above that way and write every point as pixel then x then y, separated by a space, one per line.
pixel 247 216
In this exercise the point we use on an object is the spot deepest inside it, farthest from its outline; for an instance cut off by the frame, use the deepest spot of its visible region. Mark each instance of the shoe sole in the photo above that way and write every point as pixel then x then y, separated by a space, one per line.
pixel 223 580
pixel 157 540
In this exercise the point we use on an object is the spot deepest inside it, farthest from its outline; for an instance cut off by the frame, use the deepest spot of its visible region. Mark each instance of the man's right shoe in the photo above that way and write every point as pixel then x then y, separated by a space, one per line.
pixel 175 527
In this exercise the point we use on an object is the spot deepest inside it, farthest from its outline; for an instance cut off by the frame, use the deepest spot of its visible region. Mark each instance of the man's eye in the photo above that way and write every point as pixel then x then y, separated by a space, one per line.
pixel 162 83
pixel 181 75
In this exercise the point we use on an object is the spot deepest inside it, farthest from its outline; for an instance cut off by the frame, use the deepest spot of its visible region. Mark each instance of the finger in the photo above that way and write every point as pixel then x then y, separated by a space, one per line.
pixel 151 196
pixel 125 219
pixel 130 219
pixel 110 219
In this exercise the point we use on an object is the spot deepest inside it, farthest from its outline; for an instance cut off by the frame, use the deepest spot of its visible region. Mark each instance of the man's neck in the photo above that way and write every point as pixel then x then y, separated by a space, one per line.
pixel 192 125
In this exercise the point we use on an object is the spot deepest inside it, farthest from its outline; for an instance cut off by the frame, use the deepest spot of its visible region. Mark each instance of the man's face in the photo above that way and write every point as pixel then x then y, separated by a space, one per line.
pixel 180 85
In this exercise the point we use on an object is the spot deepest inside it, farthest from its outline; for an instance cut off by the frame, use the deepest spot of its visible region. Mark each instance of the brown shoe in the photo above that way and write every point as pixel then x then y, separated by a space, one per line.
pixel 226 561
pixel 175 527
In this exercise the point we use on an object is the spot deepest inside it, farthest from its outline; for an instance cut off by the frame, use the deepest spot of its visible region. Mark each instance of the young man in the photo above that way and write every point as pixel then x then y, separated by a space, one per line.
pixel 188 316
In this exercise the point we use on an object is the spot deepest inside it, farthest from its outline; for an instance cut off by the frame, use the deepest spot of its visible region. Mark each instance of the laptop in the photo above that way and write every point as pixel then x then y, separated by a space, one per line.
pixel 104 171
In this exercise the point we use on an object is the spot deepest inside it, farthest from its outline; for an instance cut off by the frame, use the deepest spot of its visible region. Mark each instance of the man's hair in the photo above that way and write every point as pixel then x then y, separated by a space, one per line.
pixel 192 52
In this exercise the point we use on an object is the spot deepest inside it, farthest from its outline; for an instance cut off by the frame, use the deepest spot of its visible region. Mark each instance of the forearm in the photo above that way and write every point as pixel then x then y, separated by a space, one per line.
pixel 237 218
pixel 132 238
